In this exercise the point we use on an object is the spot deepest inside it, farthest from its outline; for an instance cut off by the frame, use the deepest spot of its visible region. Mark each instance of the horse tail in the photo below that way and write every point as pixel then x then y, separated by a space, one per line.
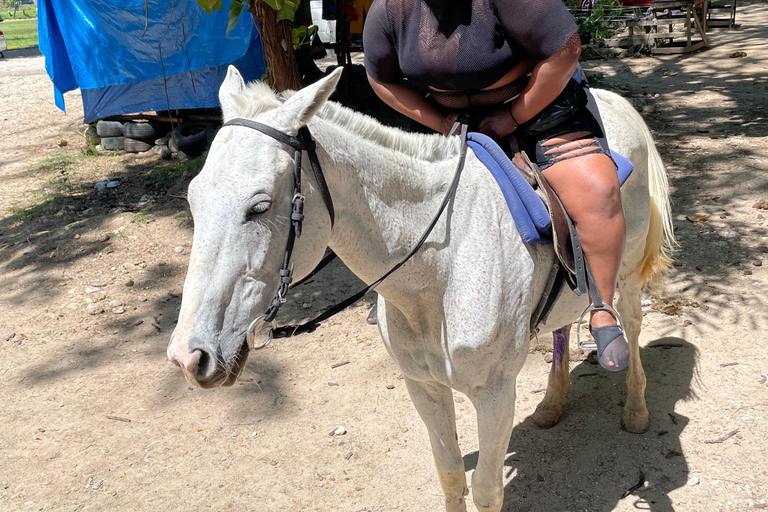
pixel 660 241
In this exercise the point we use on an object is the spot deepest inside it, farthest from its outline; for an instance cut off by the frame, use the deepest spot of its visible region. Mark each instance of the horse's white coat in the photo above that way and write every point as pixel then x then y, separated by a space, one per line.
pixel 456 315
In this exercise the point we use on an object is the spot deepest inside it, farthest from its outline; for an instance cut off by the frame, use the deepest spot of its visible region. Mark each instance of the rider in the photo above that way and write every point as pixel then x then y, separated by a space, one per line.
pixel 510 64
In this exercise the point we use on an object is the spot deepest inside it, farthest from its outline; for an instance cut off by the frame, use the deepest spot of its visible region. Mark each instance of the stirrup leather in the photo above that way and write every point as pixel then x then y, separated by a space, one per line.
pixel 585 278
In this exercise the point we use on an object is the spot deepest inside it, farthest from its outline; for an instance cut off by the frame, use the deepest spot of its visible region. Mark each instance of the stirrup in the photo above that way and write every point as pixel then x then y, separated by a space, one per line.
pixel 590 345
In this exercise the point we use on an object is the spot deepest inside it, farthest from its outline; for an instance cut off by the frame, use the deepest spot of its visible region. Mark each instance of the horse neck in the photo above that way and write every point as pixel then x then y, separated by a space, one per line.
pixel 384 198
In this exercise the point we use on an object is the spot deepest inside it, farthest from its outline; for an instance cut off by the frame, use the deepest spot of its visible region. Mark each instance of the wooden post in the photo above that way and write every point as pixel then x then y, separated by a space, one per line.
pixel 277 40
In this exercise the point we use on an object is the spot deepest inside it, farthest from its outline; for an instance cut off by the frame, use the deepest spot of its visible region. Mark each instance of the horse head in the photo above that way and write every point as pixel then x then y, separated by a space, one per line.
pixel 241 204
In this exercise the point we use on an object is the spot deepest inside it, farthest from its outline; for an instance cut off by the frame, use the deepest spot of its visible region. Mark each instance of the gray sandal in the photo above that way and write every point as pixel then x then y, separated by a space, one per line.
pixel 612 347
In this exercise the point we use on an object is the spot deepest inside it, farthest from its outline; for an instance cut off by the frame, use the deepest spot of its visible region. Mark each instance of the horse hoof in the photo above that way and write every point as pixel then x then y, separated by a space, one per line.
pixel 455 505
pixel 635 422
pixel 546 418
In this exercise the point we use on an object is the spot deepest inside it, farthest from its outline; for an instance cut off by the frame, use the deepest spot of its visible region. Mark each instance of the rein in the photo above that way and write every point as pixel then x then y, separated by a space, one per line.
pixel 304 142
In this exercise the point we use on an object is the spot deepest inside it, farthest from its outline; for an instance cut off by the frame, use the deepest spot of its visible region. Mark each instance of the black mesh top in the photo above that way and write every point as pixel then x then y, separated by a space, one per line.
pixel 460 45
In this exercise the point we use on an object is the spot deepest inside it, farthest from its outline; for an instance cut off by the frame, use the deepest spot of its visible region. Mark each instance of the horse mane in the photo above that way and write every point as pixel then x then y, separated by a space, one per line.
pixel 422 146
pixel 258 98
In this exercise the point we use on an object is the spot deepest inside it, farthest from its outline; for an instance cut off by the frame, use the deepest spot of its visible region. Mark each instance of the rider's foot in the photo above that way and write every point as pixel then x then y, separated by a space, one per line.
pixel 373 315
pixel 600 318
pixel 612 347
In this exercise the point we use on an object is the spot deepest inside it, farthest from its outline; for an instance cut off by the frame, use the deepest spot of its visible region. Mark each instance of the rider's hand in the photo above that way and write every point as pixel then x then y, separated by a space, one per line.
pixel 498 124
pixel 448 122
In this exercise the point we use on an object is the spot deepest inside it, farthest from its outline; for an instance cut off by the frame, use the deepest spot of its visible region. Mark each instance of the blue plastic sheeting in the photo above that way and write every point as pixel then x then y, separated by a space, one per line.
pixel 94 44
pixel 150 94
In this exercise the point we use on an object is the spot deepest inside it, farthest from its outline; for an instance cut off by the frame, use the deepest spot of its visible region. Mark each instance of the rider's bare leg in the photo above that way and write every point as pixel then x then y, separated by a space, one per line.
pixel 587 184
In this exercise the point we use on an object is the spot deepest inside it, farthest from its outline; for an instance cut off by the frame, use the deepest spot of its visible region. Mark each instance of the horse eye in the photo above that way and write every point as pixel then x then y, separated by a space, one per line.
pixel 260 203
pixel 261 206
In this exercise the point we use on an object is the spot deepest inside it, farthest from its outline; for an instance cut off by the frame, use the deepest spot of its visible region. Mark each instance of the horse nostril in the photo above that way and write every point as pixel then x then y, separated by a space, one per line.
pixel 206 365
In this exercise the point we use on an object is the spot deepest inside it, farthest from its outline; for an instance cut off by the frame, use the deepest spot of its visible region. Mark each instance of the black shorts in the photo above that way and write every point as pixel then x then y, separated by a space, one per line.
pixel 585 119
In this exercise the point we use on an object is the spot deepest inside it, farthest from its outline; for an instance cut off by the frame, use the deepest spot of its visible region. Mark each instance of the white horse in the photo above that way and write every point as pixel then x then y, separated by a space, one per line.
pixel 456 315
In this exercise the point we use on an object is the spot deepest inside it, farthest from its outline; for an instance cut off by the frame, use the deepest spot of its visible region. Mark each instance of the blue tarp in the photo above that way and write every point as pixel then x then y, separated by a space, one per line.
pixel 101 47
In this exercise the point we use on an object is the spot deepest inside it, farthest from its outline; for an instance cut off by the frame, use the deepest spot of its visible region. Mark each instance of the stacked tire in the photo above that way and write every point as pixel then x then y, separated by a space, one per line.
pixel 190 138
pixel 141 137
pixel 187 140
pixel 131 137
pixel 111 133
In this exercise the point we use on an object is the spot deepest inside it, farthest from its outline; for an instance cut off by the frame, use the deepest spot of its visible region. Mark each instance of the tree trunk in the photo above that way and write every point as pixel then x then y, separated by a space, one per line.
pixel 277 40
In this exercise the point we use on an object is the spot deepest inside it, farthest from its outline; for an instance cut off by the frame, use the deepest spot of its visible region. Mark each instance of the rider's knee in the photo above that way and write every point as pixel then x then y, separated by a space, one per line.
pixel 605 197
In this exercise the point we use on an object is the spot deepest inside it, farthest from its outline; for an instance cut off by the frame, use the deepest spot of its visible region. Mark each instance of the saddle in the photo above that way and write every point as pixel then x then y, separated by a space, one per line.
pixel 541 218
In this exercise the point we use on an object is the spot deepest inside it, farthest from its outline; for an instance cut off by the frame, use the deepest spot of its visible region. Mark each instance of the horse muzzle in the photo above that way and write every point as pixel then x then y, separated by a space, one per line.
pixel 204 368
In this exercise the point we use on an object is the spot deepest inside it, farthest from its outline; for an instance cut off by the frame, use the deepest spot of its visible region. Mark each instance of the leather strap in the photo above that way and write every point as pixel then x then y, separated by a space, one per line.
pixel 329 257
pixel 555 283
pixel 279 136
pixel 299 144
pixel 318 172
pixel 287 331
pixel 304 142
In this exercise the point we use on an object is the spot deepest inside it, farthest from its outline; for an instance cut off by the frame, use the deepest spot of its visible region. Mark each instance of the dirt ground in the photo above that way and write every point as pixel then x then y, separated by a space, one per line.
pixel 94 417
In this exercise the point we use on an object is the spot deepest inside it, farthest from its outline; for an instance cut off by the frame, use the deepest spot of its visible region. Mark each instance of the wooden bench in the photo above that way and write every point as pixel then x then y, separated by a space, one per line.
pixel 670 13
pixel 721 14
pixel 667 14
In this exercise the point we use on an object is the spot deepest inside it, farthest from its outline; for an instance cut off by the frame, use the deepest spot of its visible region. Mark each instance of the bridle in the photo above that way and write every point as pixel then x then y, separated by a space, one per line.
pixel 300 143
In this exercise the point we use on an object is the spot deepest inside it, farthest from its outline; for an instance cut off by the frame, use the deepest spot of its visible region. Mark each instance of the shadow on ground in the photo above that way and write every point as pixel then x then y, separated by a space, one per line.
pixel 586 462
pixel 714 153
pixel 22 53
pixel 49 248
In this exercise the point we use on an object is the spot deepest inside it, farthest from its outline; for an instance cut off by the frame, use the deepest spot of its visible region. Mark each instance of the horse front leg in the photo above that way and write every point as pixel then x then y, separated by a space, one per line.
pixel 550 409
pixel 434 403
pixel 634 418
pixel 495 406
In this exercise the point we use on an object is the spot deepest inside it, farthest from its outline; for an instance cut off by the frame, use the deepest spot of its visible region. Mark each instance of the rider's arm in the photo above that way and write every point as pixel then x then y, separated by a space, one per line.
pixel 547 33
pixel 412 104
pixel 548 79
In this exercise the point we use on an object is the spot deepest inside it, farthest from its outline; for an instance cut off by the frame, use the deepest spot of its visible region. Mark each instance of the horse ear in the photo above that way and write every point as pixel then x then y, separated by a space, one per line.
pixel 300 107
pixel 232 85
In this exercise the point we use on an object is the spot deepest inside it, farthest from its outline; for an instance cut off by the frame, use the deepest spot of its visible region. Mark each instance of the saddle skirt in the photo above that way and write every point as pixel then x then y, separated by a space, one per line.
pixel 528 210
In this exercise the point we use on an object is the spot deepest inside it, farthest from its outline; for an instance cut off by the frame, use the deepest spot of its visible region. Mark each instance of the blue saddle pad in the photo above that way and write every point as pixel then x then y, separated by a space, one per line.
pixel 527 208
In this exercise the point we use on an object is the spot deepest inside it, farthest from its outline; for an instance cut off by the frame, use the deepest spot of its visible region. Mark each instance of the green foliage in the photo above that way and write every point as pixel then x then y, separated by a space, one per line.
pixel 47 199
pixel 61 163
pixel 142 218
pixel 303 35
pixel 21 13
pixel 163 178
pixel 183 219
pixel 210 5
pixel 598 22
pixel 20 33
pixel 286 9
pixel 235 9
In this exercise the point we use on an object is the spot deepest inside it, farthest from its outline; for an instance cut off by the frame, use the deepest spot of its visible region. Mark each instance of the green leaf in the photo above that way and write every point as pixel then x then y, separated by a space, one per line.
pixel 275 4
pixel 210 5
pixel 235 9
pixel 303 35
pixel 288 10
